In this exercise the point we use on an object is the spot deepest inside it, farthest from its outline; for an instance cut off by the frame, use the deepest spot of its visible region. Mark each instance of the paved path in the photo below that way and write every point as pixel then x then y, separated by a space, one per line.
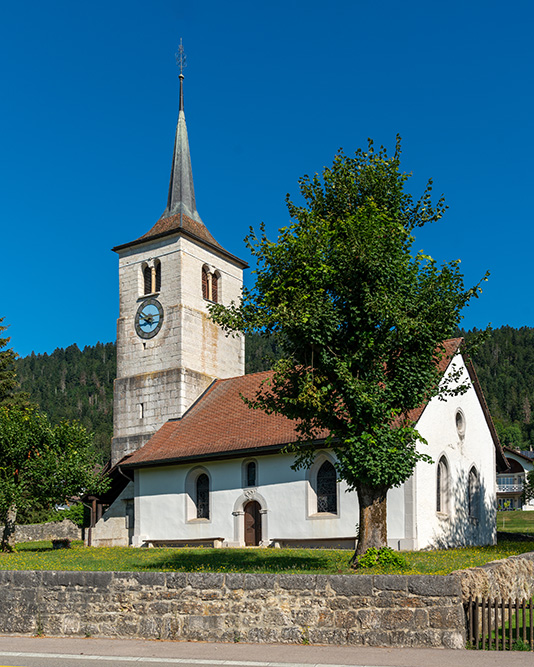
pixel 64 652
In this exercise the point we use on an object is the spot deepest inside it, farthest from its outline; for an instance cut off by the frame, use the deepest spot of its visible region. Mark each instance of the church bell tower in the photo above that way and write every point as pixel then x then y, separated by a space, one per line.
pixel 168 350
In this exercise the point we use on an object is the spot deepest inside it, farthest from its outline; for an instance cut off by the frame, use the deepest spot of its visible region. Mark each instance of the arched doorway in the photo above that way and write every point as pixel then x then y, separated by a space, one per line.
pixel 252 524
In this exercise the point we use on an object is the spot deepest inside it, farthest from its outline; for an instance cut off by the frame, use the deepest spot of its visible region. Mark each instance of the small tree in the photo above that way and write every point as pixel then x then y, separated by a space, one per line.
pixel 8 378
pixel 361 320
pixel 9 388
pixel 41 464
pixel 528 489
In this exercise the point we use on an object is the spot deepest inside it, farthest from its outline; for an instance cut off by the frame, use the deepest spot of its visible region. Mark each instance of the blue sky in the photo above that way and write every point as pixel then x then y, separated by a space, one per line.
pixel 272 90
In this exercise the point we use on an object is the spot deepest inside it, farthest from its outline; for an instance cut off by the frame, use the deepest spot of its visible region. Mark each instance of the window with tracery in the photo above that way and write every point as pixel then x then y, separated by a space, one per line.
pixel 203 497
pixel 327 488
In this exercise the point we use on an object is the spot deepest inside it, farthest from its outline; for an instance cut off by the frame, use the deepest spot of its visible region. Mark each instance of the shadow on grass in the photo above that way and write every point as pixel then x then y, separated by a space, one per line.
pixel 41 546
pixel 241 560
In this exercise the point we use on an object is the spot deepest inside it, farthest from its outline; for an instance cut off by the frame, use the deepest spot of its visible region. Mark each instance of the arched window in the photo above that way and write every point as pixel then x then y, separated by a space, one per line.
pixel 203 497
pixel 158 277
pixel 251 473
pixel 442 486
pixel 210 285
pixel 327 488
pixel 473 493
pixel 147 280
pixel 205 286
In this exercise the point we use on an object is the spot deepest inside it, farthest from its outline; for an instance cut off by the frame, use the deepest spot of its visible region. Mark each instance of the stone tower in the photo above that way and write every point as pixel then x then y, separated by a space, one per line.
pixel 168 350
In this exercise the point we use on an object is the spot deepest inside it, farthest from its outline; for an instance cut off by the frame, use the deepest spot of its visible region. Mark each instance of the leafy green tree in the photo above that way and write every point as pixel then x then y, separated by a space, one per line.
pixel 360 319
pixel 41 465
pixel 528 489
pixel 510 434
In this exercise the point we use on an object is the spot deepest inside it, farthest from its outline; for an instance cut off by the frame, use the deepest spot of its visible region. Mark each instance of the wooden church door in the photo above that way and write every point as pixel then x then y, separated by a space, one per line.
pixel 252 524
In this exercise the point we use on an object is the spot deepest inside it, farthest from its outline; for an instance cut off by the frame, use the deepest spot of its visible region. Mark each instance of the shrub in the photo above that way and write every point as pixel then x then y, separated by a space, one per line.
pixel 383 557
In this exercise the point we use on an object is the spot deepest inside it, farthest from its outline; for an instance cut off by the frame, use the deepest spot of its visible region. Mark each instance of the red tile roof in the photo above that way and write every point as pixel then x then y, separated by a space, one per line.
pixel 220 424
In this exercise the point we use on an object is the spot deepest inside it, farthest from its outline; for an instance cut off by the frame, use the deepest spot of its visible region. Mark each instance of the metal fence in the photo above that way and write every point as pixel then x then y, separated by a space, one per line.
pixel 499 625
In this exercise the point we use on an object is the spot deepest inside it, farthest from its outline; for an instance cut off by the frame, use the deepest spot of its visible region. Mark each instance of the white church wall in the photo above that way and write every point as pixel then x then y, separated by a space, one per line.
pixel 289 511
pixel 454 526
pixel 114 528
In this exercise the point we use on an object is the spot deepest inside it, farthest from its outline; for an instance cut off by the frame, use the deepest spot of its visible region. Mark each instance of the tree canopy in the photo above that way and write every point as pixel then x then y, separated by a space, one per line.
pixel 41 465
pixel 360 319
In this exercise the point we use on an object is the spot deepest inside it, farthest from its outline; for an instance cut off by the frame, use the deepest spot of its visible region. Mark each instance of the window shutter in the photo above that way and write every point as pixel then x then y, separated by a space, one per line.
pixel 214 286
pixel 158 277
pixel 204 284
pixel 147 277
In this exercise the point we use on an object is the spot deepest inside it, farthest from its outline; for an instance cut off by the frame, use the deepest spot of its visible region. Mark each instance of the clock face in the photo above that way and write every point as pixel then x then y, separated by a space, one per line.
pixel 149 318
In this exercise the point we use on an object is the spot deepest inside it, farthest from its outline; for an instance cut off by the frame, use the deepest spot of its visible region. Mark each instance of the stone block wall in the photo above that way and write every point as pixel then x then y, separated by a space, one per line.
pixel 382 610
pixel 59 530
pixel 507 578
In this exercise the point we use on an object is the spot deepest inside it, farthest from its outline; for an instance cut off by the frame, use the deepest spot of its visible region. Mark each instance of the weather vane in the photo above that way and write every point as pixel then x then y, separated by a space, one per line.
pixel 181 58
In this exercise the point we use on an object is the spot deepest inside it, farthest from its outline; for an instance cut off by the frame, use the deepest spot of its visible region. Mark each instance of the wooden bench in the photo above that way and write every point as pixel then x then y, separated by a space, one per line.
pixel 214 542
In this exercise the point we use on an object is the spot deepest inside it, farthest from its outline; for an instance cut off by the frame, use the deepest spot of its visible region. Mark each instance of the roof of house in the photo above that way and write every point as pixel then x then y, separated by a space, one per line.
pixel 221 425
pixel 523 454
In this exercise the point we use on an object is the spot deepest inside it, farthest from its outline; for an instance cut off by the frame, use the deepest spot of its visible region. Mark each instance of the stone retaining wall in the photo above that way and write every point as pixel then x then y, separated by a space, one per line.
pixel 507 578
pixel 386 610
pixel 59 530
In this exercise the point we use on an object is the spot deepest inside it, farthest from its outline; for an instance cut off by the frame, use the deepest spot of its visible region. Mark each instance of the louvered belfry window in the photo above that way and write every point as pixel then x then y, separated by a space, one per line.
pixel 147 278
pixel 203 497
pixel 327 488
pixel 158 277
pixel 214 287
pixel 205 290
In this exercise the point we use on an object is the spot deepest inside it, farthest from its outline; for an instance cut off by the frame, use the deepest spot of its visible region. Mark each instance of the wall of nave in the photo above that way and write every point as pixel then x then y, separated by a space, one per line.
pixel 166 510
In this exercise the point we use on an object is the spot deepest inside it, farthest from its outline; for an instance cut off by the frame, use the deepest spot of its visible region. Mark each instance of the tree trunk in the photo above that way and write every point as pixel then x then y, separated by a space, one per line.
pixel 373 515
pixel 8 537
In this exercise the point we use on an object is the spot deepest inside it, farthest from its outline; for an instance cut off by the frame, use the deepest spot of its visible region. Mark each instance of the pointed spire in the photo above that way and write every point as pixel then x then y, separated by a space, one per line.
pixel 181 199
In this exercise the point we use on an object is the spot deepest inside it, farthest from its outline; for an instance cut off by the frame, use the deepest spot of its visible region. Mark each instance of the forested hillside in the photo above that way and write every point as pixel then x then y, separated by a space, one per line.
pixel 74 384
pixel 505 367
pixel 78 384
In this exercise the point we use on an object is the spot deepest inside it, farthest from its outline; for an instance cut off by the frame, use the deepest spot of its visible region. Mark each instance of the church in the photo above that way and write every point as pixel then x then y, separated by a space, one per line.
pixel 193 465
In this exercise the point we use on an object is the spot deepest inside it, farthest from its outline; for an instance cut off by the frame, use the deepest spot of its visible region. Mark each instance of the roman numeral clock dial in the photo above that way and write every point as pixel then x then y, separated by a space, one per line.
pixel 149 318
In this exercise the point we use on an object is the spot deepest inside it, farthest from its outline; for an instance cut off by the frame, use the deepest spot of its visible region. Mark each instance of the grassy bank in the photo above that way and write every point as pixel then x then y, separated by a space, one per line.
pixel 41 556
pixel 517 521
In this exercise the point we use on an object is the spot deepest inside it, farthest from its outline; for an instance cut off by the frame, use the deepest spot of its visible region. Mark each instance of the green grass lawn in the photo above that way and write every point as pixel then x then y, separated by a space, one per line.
pixel 41 556
pixel 516 522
